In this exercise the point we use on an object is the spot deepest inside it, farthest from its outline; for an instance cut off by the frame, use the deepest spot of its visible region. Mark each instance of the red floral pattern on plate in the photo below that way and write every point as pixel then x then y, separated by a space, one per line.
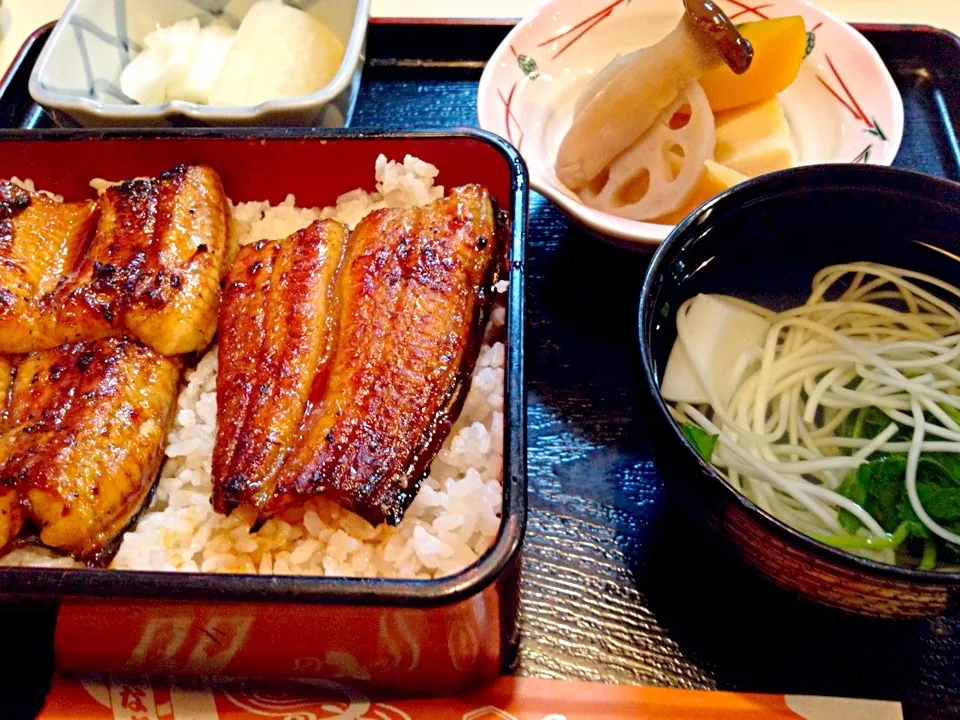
pixel 525 94
pixel 530 68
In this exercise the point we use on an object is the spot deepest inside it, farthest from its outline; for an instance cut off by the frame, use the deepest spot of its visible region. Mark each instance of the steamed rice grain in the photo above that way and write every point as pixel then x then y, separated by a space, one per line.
pixel 451 522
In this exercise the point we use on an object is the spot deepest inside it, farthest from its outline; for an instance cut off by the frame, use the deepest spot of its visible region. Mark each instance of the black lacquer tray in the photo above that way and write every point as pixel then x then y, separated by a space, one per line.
pixel 617 586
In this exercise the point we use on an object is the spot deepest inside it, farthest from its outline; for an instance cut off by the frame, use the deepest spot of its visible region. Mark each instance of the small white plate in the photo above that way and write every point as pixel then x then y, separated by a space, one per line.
pixel 77 76
pixel 842 108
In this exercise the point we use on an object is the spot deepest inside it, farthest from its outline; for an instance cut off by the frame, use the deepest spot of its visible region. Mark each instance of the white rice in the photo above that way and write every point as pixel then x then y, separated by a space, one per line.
pixel 451 522
pixel 30 187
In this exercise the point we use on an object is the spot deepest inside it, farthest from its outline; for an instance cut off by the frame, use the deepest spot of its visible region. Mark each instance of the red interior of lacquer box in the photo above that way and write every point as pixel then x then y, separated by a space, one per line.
pixel 316 169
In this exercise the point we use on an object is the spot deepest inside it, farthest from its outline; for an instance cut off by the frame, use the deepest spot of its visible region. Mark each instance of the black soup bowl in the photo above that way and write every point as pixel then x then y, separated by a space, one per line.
pixel 763 241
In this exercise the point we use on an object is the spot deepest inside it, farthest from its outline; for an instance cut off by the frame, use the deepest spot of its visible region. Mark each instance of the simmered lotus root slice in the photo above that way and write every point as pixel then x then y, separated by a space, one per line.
pixel 641 184
pixel 635 90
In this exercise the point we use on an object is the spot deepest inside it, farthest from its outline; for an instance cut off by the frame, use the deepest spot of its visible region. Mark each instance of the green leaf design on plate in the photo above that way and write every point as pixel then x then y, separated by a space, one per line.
pixel 529 66
pixel 875 129
pixel 811 43
pixel 864 156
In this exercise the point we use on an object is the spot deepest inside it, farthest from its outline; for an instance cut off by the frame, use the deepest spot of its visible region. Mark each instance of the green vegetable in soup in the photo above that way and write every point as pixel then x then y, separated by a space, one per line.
pixel 879 487
pixel 703 441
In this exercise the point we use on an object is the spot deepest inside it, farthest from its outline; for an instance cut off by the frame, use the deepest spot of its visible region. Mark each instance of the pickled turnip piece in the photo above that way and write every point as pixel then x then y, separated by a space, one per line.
pixel 208 54
pixel 641 184
pixel 628 105
pixel 279 52
pixel 720 336
pixel 166 60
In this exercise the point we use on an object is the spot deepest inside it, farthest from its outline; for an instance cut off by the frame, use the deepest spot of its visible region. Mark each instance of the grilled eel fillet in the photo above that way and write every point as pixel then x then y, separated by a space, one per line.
pixel 414 292
pixel 409 308
pixel 275 343
pixel 41 240
pixel 83 441
pixel 152 271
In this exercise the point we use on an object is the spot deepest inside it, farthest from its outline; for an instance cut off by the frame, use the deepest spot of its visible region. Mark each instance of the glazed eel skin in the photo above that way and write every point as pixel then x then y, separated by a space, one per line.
pixel 152 269
pixel 275 344
pixel 82 442
pixel 41 240
pixel 406 316
pixel 6 380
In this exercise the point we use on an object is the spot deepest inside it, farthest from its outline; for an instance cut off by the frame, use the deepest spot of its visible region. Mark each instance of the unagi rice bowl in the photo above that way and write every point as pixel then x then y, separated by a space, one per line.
pixel 452 521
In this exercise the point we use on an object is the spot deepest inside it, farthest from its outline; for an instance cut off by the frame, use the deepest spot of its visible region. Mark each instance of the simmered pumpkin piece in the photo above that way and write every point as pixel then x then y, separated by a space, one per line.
pixel 779 46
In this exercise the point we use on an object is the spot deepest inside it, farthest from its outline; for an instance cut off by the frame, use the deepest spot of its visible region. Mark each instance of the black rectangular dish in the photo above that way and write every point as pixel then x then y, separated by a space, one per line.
pixel 447 633
pixel 616 587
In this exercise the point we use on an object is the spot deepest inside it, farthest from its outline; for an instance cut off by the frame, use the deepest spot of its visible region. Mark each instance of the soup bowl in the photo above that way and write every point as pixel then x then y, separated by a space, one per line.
pixel 763 241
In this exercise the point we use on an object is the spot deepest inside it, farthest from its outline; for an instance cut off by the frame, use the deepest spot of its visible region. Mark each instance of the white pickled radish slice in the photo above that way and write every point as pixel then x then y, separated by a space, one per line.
pixel 640 184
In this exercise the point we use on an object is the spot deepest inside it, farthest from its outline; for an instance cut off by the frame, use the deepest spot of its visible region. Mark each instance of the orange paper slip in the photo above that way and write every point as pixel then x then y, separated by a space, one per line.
pixel 111 698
